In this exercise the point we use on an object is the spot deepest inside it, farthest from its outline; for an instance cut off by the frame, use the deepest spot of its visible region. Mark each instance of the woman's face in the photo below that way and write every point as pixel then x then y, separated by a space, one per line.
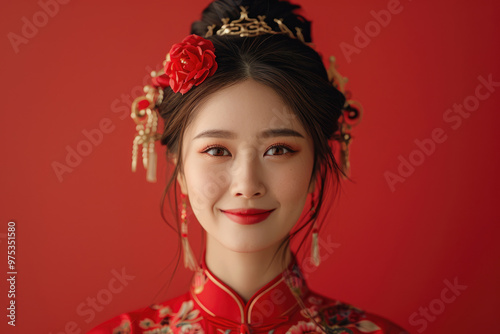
pixel 246 150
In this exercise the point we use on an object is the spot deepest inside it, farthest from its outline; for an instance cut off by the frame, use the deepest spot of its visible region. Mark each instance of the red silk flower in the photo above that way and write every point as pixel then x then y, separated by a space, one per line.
pixel 189 63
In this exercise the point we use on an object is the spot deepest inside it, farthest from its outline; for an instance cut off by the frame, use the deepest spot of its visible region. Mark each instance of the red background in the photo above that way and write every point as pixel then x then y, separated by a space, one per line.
pixel 396 248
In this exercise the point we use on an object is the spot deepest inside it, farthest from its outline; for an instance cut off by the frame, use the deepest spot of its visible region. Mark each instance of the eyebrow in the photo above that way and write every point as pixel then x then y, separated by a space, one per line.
pixel 269 133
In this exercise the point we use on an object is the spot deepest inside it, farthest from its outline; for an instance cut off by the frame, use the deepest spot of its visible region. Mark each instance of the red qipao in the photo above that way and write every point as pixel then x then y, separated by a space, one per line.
pixel 211 306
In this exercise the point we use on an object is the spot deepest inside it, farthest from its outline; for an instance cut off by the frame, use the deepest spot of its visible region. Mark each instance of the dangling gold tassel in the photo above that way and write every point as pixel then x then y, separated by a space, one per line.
pixel 135 150
pixel 189 259
pixel 345 140
pixel 316 260
pixel 152 157
pixel 145 115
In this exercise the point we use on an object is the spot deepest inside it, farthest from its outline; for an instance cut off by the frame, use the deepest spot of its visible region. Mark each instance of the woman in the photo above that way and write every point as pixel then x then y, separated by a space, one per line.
pixel 249 110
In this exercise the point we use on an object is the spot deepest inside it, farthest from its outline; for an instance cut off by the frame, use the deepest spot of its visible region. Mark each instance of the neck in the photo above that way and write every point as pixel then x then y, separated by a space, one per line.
pixel 245 273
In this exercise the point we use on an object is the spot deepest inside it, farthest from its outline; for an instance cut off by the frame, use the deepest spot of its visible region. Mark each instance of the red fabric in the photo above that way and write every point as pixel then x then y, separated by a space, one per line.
pixel 213 307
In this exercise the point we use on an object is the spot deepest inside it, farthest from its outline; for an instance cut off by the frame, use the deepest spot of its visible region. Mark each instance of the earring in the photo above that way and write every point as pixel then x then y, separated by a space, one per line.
pixel 316 260
pixel 189 260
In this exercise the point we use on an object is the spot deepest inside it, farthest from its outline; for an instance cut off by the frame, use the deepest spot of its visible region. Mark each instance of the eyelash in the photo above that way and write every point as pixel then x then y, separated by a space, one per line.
pixel 278 145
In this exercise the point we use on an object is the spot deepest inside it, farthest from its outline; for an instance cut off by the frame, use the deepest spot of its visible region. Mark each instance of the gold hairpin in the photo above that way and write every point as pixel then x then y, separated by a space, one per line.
pixel 251 27
pixel 352 112
pixel 145 115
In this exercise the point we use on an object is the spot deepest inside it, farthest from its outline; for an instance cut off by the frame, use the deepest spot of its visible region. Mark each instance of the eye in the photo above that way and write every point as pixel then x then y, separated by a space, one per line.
pixel 279 149
pixel 216 151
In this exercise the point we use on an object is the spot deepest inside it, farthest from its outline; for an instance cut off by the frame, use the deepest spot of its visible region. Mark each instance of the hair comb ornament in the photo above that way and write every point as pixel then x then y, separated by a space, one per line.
pixel 187 64
pixel 352 112
pixel 251 27
pixel 145 115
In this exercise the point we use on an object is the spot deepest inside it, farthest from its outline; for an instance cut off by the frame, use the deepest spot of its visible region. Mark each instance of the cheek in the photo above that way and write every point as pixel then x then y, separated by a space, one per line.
pixel 205 184
pixel 292 183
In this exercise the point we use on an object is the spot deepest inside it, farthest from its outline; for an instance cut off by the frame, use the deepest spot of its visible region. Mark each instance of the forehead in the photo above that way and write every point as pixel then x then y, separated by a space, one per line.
pixel 246 107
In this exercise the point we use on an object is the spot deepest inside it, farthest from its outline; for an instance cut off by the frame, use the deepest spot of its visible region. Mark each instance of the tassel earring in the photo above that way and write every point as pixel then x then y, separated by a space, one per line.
pixel 189 260
pixel 316 260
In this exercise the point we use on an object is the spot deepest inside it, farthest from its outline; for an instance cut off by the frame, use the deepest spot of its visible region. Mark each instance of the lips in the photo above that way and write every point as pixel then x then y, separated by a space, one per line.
pixel 247 216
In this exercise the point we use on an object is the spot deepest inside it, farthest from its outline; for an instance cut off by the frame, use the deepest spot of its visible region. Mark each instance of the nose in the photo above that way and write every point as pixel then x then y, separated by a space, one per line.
pixel 247 181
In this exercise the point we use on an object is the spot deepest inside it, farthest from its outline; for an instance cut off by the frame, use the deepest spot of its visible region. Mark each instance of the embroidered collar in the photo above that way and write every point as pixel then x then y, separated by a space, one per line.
pixel 267 308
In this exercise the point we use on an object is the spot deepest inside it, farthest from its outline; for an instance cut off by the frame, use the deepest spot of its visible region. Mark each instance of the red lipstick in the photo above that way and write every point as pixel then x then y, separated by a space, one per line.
pixel 247 216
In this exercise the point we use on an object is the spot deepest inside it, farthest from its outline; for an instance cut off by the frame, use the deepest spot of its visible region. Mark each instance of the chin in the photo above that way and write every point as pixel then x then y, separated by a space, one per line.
pixel 243 246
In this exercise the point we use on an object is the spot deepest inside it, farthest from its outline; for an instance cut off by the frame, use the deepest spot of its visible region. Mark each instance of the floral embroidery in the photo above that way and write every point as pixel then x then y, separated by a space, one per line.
pixel 304 327
pixel 366 326
pixel 163 311
pixel 342 314
pixel 317 315
pixel 190 329
pixel 124 328
pixel 315 300
pixel 186 321
pixel 147 323
pixel 225 331
pixel 336 319
pixel 310 312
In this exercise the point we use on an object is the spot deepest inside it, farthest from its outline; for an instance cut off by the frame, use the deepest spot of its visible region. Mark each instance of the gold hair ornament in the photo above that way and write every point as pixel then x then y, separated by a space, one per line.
pixel 352 112
pixel 251 27
pixel 145 115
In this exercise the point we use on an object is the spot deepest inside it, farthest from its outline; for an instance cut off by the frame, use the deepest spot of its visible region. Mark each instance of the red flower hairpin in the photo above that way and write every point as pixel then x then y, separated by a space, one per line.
pixel 188 64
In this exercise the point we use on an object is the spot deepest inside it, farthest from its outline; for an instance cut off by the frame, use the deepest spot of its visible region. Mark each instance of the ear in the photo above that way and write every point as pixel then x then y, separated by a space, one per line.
pixel 180 177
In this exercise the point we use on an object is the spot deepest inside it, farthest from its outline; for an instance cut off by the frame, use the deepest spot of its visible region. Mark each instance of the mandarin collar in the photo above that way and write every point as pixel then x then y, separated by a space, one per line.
pixel 270 305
